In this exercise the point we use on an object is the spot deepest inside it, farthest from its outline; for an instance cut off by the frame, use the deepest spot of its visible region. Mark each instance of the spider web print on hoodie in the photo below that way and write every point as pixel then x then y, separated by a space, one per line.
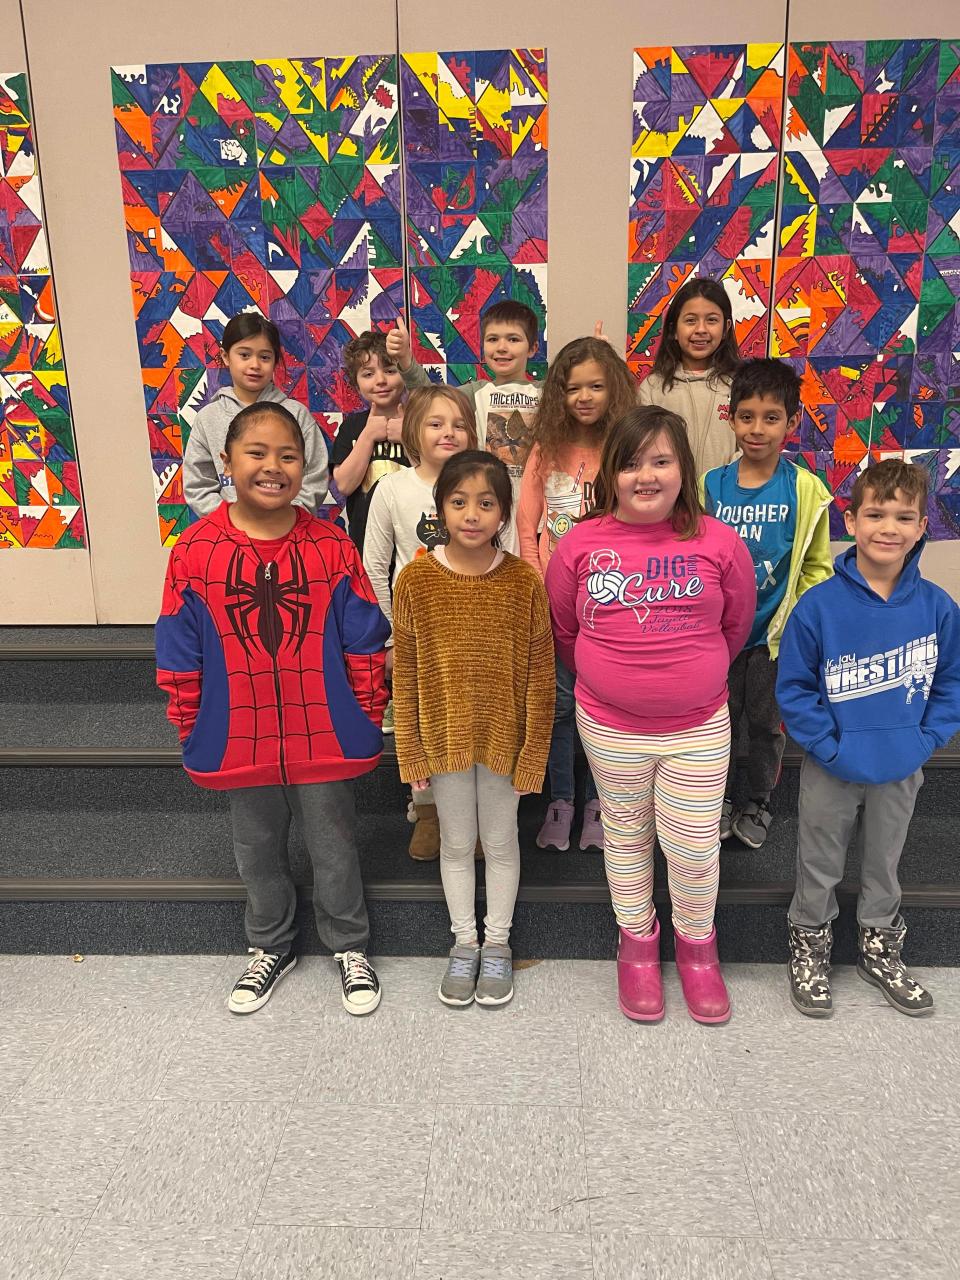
pixel 275 672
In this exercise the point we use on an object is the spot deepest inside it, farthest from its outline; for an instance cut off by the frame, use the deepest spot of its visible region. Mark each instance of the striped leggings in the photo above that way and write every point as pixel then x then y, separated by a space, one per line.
pixel 670 785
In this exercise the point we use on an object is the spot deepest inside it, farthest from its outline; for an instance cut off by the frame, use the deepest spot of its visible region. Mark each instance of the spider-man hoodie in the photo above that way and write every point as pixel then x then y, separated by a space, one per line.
pixel 274 670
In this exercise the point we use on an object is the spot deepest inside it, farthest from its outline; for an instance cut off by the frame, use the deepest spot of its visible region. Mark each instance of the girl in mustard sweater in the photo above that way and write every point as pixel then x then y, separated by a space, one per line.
pixel 473 693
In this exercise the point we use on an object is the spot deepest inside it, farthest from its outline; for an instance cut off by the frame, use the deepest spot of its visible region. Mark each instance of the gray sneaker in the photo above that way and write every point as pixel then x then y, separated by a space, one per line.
pixel 752 823
pixel 727 815
pixel 495 984
pixel 460 981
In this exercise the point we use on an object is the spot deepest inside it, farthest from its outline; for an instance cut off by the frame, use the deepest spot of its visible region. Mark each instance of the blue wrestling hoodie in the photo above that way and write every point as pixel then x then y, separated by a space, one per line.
pixel 871 687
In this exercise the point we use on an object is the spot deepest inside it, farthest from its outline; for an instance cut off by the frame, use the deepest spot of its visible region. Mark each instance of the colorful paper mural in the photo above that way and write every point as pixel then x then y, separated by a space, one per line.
pixel 867 295
pixel 703 184
pixel 271 185
pixel 475 166
pixel 40 500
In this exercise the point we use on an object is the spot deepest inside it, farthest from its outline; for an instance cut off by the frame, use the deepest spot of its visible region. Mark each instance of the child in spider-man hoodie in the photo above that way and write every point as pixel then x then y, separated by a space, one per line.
pixel 270 646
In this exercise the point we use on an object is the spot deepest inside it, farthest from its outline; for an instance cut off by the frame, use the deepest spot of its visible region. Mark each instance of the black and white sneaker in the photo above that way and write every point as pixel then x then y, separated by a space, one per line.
pixel 255 985
pixel 361 986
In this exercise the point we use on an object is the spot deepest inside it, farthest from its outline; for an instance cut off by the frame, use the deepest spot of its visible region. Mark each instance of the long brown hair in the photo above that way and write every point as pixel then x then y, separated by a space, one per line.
pixel 725 360
pixel 625 439
pixel 553 426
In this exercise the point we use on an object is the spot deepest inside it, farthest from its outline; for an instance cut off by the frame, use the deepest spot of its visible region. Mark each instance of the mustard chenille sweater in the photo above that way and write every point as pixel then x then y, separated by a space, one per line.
pixel 473 675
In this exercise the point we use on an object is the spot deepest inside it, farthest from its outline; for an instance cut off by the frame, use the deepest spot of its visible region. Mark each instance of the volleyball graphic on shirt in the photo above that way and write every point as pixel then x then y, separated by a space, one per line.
pixel 605 585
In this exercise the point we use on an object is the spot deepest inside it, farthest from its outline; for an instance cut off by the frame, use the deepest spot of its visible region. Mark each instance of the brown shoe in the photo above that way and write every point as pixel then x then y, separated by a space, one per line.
pixel 478 851
pixel 425 841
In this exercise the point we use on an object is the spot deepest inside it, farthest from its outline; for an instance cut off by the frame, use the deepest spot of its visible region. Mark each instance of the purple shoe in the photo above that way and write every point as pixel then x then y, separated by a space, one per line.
pixel 555 832
pixel 591 834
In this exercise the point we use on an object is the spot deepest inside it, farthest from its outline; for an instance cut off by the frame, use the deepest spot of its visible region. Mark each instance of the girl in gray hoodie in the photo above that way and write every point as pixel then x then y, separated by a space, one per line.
pixel 250 350
pixel 695 363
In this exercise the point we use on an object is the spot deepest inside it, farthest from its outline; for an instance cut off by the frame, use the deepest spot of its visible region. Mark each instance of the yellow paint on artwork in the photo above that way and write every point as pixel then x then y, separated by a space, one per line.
pixel 494 105
pixel 796 180
pixel 804 226
pixel 289 83
pixel 53 348
pixel 847 372
pixel 727 107
pixel 761 55
pixel 215 86
pixel 651 145
pixel 316 78
pixel 348 147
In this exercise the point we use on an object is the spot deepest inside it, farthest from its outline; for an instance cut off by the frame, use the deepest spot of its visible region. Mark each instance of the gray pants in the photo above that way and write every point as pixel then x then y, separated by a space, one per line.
pixel 752 684
pixel 326 816
pixel 829 812
pixel 468 802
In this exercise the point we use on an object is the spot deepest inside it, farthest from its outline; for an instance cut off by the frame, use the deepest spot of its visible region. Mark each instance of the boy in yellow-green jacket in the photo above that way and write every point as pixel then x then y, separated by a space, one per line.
pixel 781 512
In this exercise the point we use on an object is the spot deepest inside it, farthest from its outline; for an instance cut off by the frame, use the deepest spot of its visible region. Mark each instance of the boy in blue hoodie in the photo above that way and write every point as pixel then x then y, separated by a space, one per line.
pixel 869 685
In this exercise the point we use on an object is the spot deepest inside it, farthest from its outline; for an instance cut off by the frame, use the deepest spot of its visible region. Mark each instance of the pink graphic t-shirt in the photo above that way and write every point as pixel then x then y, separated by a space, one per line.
pixel 650 622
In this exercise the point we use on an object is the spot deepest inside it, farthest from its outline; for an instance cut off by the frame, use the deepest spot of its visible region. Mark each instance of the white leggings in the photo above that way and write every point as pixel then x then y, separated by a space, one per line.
pixel 468 802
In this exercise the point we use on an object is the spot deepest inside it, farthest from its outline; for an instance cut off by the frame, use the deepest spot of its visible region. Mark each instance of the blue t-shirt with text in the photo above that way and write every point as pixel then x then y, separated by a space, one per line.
pixel 766 519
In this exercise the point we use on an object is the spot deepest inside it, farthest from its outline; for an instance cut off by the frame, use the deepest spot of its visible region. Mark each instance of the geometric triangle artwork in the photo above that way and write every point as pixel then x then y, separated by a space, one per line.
pixel 703 185
pixel 40 500
pixel 475 186
pixel 867 288
pixel 267 185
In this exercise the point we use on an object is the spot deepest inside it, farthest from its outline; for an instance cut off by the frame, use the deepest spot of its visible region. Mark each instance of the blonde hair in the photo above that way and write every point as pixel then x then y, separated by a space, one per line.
pixel 418 409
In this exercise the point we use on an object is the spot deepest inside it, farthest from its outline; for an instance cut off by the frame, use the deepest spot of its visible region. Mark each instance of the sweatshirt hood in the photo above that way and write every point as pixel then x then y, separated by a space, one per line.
pixel 845 568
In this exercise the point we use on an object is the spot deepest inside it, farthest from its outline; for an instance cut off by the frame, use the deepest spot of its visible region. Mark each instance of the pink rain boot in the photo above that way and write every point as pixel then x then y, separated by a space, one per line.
pixel 638 976
pixel 701 979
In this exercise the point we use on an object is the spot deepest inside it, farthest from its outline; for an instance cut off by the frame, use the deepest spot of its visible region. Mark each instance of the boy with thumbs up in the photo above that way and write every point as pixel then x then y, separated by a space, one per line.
pixel 382 369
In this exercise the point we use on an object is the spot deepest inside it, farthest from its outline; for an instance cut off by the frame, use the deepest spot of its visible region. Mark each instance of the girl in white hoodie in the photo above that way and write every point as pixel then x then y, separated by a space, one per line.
pixel 250 351
pixel 695 364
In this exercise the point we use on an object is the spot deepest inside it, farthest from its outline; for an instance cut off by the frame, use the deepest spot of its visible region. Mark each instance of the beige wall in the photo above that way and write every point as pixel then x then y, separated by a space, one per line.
pixel 39 586
pixel 590 68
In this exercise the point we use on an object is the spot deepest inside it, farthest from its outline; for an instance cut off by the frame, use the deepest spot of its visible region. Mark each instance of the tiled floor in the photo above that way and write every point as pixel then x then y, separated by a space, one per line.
pixel 147 1134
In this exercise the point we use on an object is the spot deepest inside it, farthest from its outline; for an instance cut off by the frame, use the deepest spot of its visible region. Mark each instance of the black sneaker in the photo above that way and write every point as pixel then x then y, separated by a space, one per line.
pixel 361 987
pixel 255 985
pixel 752 824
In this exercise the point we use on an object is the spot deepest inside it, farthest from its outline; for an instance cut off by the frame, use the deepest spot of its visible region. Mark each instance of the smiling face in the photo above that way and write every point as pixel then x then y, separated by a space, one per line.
pixel 885 532
pixel 472 514
pixel 700 330
pixel 649 485
pixel 506 350
pixel 380 382
pixel 587 393
pixel 266 466
pixel 250 363
pixel 761 425
pixel 443 433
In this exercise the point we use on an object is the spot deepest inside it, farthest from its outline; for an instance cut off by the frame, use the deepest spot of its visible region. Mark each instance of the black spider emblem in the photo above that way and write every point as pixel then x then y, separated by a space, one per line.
pixel 268 610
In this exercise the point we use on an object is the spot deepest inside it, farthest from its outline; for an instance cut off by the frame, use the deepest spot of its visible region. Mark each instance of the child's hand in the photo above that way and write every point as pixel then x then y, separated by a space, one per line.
pixel 523 793
pixel 398 346
pixel 599 334
pixel 379 427
pixel 420 784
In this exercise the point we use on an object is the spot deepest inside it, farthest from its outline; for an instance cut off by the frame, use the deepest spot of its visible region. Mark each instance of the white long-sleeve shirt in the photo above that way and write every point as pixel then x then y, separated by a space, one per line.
pixel 401 525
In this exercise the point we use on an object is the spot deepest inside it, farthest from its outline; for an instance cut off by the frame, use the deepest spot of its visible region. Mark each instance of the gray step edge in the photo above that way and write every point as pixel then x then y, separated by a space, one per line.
pixel 116 889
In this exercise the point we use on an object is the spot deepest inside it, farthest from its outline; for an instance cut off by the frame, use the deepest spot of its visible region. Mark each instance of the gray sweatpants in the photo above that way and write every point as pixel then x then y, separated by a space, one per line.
pixel 752 684
pixel 468 802
pixel 829 811
pixel 326 816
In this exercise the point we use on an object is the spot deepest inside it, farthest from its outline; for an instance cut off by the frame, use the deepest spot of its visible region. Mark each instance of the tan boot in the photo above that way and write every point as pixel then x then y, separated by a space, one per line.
pixel 425 841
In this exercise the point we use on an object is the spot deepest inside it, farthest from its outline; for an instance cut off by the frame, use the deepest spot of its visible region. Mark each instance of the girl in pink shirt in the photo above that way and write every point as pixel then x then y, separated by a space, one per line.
pixel 651 601
pixel 587 387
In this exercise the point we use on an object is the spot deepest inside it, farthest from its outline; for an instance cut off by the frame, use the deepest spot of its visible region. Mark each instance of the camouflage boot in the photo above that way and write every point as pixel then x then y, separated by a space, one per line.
pixel 810 969
pixel 881 964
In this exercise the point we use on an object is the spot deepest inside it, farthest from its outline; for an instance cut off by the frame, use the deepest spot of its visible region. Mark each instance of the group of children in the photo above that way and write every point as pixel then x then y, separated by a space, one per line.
pixel 525 564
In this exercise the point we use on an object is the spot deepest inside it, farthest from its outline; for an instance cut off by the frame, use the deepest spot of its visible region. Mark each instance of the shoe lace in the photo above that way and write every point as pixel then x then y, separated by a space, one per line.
pixel 259 969
pixel 461 966
pixel 494 966
pixel 356 968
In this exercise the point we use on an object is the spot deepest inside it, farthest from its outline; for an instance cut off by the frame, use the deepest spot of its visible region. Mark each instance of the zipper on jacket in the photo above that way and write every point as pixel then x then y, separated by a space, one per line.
pixel 268 582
